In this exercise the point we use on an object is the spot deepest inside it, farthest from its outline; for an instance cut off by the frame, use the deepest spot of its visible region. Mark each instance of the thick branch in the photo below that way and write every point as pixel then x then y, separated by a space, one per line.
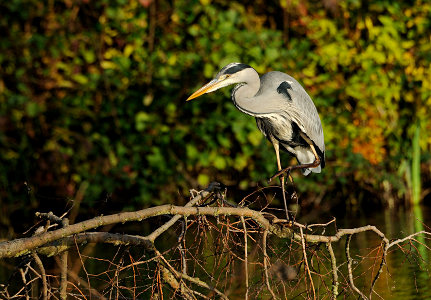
pixel 58 246
pixel 23 246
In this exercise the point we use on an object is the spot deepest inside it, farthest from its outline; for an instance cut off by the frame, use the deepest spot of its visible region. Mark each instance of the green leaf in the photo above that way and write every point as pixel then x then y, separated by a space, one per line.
pixel 32 109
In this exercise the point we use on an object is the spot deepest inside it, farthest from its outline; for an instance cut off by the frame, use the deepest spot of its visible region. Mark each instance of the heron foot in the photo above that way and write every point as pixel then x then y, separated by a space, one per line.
pixel 280 173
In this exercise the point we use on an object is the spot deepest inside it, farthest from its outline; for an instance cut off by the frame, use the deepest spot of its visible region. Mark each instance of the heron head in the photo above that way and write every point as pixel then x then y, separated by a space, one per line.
pixel 230 74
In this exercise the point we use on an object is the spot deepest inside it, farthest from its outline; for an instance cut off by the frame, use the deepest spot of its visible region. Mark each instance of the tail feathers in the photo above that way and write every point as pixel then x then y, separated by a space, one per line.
pixel 307 171
pixel 306 156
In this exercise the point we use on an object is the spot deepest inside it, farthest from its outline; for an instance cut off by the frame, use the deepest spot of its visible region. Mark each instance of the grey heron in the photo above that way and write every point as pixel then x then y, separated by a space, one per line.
pixel 284 113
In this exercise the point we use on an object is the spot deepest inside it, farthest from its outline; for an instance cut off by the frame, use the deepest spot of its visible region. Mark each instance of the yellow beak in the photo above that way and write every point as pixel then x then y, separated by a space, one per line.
pixel 205 89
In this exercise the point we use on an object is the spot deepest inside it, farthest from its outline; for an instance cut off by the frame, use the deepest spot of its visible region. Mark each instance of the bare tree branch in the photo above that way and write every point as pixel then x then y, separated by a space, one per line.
pixel 43 274
pixel 63 267
pixel 334 271
pixel 265 263
pixel 196 200
pixel 23 246
pixel 411 236
pixel 385 248
pixel 183 270
pixel 349 268
pixel 245 257
pixel 307 268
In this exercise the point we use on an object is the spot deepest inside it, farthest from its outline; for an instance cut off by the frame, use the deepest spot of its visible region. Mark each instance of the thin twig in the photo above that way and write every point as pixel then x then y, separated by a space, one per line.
pixel 63 275
pixel 349 268
pixel 43 274
pixel 169 277
pixel 283 191
pixel 334 271
pixel 322 225
pixel 24 280
pixel 82 282
pixel 179 275
pixel 382 263
pixel 393 243
pixel 77 201
pixel 306 262
pixel 63 267
pixel 245 257
pixel 183 251
pixel 195 200
pixel 265 263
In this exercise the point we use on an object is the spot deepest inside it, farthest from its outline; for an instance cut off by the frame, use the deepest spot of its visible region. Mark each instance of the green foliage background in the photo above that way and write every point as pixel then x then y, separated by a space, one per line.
pixel 92 93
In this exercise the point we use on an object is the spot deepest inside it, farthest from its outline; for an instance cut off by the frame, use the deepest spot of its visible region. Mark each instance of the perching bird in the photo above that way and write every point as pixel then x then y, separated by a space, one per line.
pixel 284 113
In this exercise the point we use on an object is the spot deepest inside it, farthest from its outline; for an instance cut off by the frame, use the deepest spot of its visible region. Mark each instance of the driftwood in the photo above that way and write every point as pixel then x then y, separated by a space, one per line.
pixel 250 223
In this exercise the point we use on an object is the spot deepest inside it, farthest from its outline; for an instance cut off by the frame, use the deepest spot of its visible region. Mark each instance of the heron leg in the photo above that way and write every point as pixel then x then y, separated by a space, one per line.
pixel 283 178
pixel 314 164
pixel 291 168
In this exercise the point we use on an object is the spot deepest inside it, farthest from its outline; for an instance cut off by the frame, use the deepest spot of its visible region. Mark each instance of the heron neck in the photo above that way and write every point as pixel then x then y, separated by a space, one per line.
pixel 244 95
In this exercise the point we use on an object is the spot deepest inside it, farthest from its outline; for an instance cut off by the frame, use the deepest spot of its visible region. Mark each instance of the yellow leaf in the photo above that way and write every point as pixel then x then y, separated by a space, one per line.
pixel 368 23
pixel 203 179
pixel 80 78
pixel 254 137
pixel 172 60
pixel 128 50
pixel 106 64
pixel 111 52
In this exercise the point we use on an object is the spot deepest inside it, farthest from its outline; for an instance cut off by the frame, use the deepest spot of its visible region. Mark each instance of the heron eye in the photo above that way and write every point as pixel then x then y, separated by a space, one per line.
pixel 227 75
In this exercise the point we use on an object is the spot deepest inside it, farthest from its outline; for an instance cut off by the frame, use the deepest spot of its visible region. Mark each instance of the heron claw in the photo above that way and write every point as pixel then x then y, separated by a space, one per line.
pixel 279 173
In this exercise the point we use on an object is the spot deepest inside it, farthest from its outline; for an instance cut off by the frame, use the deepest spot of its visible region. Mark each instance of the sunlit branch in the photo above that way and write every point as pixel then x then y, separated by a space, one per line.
pixel 334 271
pixel 349 268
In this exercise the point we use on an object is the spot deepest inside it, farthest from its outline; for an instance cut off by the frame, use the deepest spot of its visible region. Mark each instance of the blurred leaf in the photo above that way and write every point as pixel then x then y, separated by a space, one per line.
pixel 32 109
pixel 108 64
pixel 203 179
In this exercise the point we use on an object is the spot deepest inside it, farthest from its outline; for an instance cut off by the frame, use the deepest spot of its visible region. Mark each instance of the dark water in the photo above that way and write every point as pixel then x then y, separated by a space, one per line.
pixel 407 274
